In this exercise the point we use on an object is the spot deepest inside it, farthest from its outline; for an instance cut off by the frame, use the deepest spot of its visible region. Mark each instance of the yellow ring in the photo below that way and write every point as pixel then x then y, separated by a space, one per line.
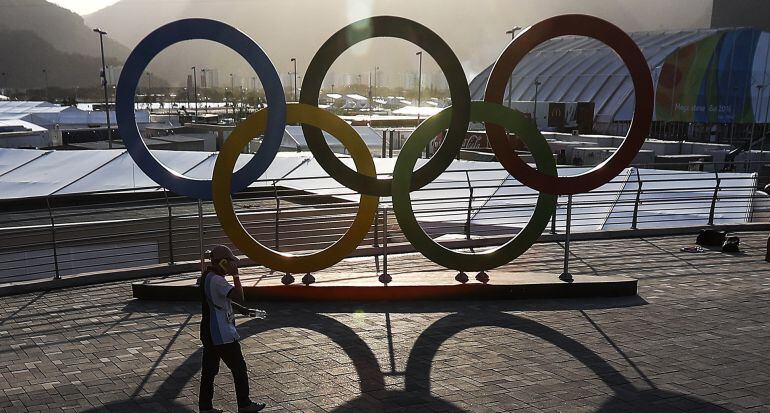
pixel 223 204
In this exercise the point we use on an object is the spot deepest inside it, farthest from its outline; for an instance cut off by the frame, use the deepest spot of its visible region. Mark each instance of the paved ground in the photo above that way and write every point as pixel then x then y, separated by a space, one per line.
pixel 697 339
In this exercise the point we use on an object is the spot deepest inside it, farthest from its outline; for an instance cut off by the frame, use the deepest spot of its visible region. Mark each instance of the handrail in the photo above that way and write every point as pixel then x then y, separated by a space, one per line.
pixel 64 234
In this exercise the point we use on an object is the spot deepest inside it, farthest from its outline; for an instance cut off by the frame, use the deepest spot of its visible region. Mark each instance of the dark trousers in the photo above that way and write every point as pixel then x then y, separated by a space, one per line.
pixel 233 357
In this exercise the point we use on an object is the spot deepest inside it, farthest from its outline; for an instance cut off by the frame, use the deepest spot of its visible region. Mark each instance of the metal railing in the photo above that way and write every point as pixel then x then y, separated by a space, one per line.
pixel 66 235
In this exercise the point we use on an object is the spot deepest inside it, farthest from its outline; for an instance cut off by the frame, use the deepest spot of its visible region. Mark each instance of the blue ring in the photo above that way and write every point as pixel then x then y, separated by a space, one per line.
pixel 204 29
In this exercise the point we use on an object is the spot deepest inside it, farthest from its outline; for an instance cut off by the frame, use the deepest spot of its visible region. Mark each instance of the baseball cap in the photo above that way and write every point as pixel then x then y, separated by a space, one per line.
pixel 222 252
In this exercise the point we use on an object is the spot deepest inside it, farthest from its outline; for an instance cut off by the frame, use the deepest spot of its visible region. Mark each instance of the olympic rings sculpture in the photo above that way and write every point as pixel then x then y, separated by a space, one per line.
pixel 497 119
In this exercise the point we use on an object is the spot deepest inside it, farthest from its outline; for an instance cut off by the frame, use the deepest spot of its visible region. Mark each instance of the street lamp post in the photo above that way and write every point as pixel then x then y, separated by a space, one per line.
pixel 149 90
pixel 195 89
pixel 232 92
pixel 370 93
pixel 512 32
pixel 419 86
pixel 45 76
pixel 537 85
pixel 104 85
pixel 205 95
pixel 294 60
pixel 374 91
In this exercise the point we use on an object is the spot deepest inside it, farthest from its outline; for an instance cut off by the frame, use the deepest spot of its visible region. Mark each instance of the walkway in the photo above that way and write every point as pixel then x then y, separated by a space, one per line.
pixel 696 340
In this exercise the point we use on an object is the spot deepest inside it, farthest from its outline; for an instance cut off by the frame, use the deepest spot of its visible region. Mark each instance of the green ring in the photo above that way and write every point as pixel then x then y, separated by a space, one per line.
pixel 402 203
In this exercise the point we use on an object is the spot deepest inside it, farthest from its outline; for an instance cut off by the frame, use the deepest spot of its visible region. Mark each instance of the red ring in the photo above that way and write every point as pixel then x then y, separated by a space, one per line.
pixel 626 48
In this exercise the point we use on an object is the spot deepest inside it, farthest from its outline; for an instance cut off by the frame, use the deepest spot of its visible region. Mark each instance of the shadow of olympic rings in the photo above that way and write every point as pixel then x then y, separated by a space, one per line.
pixel 417 389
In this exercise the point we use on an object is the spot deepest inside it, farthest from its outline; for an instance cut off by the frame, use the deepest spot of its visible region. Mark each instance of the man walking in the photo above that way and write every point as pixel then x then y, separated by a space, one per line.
pixel 218 333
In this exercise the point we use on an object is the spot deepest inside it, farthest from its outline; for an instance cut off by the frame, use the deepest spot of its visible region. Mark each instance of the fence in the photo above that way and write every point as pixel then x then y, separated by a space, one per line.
pixel 60 236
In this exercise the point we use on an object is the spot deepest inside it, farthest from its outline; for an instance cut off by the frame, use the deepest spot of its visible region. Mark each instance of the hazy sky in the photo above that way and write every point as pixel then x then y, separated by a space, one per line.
pixel 83 6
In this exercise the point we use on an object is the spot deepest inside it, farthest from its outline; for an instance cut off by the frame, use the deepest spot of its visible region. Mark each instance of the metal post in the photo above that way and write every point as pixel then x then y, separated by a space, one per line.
pixel 149 90
pixel 390 144
pixel 470 205
pixel 204 81
pixel 714 199
pixel 57 275
pixel 419 87
pixel 553 217
pixel 277 214
pixel 370 98
pixel 104 85
pixel 385 242
pixel 385 278
pixel 512 32
pixel 638 198
pixel 200 234
pixel 294 60
pixel 232 94
pixel 384 137
pixel 170 230
pixel 566 276
pixel 376 240
pixel 195 90
pixel 45 75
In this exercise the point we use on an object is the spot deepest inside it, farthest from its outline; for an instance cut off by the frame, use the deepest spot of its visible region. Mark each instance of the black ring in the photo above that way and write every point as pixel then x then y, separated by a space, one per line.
pixel 411 31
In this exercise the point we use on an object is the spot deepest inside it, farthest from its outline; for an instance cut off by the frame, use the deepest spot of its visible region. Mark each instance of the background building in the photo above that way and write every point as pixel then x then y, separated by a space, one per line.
pixel 709 84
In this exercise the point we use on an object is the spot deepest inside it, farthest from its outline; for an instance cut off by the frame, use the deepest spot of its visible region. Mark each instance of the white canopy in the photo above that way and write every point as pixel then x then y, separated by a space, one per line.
pixel 499 202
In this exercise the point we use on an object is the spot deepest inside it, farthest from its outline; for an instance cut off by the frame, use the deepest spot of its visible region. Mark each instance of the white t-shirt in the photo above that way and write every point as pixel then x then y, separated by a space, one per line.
pixel 222 319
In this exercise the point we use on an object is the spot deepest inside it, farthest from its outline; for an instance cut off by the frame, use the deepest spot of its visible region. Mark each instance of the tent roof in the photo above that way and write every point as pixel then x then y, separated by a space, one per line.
pixel 581 69
pixel 371 137
pixel 670 198
pixel 45 113
pixel 28 126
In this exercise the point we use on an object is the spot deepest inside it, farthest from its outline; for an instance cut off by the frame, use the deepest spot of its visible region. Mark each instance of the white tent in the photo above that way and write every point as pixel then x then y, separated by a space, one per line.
pixel 48 115
pixel 371 137
pixel 499 202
